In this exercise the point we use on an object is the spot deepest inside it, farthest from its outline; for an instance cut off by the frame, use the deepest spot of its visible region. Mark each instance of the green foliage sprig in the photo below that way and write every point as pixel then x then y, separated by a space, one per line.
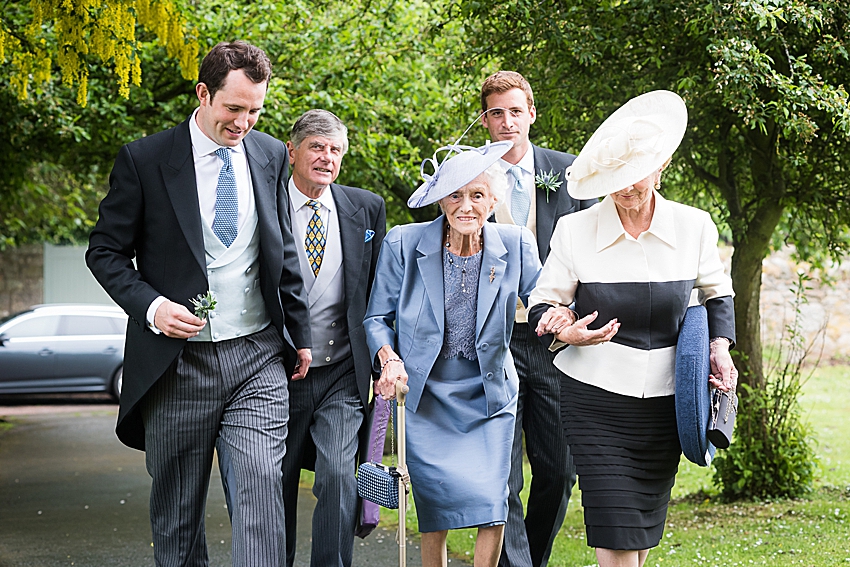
pixel 548 181
pixel 204 304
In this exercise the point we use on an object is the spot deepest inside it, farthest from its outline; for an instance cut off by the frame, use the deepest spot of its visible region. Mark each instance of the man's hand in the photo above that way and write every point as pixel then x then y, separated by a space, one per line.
pixel 305 357
pixel 177 322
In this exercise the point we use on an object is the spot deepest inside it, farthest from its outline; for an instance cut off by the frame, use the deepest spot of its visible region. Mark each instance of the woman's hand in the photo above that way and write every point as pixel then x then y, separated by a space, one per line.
pixel 392 370
pixel 555 320
pixel 578 334
pixel 724 375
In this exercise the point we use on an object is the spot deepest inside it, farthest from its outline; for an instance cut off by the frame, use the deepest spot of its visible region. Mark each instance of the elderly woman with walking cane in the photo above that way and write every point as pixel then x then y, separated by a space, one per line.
pixel 440 319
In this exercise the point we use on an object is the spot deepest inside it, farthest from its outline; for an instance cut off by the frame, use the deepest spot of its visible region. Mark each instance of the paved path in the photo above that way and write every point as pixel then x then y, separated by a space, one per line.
pixel 72 494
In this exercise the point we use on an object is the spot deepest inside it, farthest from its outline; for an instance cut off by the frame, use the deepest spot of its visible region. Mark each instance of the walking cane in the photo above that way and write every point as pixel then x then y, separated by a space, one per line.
pixel 401 395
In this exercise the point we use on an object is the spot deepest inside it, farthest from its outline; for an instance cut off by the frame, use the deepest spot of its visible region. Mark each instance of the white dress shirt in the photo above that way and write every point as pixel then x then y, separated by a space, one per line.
pixel 207 167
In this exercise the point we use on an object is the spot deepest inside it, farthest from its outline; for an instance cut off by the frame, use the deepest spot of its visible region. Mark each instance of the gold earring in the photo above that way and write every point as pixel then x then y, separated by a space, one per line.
pixel 658 184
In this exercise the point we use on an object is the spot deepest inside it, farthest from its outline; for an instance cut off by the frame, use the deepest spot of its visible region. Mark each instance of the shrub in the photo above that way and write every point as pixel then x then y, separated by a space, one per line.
pixel 772 455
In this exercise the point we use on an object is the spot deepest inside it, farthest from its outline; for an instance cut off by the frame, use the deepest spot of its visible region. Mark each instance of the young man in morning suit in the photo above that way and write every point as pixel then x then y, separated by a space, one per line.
pixel 204 207
pixel 339 230
pixel 509 104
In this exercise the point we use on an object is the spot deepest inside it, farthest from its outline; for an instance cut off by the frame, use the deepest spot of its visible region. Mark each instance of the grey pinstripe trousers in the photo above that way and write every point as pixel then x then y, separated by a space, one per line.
pixel 325 411
pixel 528 542
pixel 235 388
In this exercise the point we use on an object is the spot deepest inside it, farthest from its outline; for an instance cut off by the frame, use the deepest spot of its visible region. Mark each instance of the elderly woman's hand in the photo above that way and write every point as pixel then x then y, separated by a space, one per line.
pixel 392 370
pixel 577 333
pixel 555 319
pixel 723 375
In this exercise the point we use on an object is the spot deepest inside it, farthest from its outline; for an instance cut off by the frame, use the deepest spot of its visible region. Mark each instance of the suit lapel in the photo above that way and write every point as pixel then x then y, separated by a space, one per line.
pixel 545 209
pixel 430 263
pixel 352 226
pixel 492 262
pixel 180 184
pixel 263 182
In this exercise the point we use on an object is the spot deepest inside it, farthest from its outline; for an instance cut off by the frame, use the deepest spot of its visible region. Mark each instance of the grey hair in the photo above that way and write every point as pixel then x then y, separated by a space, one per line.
pixel 318 122
pixel 497 180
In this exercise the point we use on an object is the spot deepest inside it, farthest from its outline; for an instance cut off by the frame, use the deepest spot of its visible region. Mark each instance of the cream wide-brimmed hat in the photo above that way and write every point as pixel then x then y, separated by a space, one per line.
pixel 455 171
pixel 637 139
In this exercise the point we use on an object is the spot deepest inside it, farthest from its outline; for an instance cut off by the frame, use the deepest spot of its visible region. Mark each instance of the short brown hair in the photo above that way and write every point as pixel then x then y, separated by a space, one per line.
pixel 503 81
pixel 226 57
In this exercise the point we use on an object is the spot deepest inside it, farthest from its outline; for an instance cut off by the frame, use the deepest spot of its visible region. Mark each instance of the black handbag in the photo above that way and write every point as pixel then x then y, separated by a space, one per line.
pixel 377 482
pixel 724 407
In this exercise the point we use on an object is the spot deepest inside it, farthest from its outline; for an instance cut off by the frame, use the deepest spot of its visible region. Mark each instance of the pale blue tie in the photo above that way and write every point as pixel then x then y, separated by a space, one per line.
pixel 226 201
pixel 520 201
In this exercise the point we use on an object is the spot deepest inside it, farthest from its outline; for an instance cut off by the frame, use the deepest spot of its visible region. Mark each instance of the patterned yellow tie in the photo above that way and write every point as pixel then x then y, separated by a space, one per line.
pixel 314 243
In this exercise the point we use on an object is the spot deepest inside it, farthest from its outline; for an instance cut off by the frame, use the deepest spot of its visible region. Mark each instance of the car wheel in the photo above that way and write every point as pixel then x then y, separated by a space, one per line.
pixel 117 381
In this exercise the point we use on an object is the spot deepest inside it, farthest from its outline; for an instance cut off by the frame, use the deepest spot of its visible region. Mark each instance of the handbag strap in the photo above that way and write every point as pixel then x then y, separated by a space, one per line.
pixel 387 418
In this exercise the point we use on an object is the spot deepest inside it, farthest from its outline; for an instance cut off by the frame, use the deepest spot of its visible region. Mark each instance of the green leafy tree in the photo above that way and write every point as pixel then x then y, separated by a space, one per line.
pixel 769 119
pixel 767 142
pixel 375 64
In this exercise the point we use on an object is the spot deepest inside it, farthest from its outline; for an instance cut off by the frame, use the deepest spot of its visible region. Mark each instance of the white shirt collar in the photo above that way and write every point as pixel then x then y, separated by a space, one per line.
pixel 610 229
pixel 526 163
pixel 201 143
pixel 299 199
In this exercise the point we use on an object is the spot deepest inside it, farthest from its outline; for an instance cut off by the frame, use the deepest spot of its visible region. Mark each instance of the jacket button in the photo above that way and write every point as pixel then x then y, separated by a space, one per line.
pixel 327 359
pixel 489 376
pixel 247 289
pixel 484 346
pixel 330 343
pixel 244 311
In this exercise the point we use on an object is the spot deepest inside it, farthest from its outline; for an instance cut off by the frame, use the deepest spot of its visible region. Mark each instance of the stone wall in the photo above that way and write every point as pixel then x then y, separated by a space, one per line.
pixel 21 278
pixel 826 305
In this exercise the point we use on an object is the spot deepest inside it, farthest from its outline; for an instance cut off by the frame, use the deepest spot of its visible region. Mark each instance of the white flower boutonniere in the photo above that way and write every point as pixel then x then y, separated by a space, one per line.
pixel 548 181
pixel 204 305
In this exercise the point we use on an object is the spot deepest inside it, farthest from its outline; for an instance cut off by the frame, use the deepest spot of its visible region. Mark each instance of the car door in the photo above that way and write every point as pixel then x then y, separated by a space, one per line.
pixel 27 355
pixel 89 350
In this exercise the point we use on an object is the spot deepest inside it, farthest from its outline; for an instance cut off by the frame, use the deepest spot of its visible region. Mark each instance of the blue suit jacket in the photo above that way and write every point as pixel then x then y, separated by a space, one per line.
pixel 406 309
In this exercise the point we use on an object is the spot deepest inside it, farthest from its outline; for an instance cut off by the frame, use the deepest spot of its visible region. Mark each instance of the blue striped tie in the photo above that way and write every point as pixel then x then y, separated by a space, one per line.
pixel 226 201
pixel 520 201
pixel 314 243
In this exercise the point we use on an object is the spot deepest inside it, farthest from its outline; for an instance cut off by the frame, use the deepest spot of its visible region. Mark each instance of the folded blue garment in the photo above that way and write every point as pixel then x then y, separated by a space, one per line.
pixel 693 393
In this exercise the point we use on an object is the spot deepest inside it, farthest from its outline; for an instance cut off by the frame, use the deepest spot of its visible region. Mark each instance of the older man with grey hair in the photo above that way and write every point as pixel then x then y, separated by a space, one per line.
pixel 341 229
pixel 338 232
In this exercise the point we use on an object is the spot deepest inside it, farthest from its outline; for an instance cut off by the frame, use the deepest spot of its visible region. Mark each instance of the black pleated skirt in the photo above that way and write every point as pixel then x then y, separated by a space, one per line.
pixel 626 453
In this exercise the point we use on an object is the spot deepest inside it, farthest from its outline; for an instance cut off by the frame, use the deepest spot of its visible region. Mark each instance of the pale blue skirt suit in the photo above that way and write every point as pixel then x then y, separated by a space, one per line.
pixel 461 415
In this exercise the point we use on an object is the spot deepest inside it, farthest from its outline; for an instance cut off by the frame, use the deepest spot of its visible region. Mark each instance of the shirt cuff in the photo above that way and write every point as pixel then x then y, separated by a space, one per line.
pixel 152 312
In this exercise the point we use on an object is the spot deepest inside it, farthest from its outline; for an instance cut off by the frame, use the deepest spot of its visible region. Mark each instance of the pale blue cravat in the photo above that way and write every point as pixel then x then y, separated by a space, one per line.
pixel 226 201
pixel 520 200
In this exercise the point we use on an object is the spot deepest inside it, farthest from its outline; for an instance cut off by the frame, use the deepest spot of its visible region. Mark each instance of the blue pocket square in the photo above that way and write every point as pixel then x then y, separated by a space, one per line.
pixel 369 235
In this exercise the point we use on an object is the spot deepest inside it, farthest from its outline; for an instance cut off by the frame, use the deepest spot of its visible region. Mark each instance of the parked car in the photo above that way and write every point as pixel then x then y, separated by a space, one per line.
pixel 63 348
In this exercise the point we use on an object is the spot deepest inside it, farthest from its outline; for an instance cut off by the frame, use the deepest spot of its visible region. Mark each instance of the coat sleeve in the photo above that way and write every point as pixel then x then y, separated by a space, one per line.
pixel 714 284
pixel 293 297
pixel 383 301
pixel 113 242
pixel 530 264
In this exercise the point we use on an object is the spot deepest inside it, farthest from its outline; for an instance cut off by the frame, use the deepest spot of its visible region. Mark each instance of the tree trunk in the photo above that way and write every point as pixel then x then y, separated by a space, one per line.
pixel 750 250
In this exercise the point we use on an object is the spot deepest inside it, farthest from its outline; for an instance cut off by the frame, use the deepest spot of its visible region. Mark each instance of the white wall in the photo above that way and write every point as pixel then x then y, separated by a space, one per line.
pixel 67 279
